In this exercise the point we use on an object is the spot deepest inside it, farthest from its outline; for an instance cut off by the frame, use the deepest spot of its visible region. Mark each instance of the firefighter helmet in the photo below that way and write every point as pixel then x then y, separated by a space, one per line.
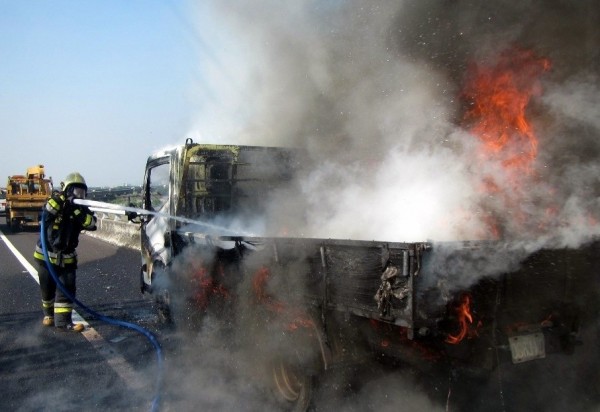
pixel 73 179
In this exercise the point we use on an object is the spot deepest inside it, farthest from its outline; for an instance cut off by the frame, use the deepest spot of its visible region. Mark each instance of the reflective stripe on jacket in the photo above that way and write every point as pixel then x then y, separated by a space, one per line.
pixel 55 259
pixel 64 221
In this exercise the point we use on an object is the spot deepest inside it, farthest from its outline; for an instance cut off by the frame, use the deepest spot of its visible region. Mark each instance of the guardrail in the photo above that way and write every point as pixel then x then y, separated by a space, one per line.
pixel 117 230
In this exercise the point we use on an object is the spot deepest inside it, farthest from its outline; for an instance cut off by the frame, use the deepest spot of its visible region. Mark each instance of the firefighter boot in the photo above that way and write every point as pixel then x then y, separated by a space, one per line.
pixel 71 327
pixel 48 321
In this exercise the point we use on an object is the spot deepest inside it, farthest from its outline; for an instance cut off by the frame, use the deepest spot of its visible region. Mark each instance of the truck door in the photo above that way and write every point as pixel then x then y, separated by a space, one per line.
pixel 155 233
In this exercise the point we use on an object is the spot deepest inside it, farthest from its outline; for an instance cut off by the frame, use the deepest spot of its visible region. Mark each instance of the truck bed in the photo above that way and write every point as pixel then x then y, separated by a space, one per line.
pixel 415 286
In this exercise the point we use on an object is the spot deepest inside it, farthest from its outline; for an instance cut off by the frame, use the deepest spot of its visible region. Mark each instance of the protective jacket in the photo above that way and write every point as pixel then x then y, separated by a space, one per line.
pixel 64 221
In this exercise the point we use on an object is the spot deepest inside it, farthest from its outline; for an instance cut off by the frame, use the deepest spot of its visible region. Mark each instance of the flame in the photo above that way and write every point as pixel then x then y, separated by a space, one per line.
pixel 497 97
pixel 259 285
pixel 465 318
pixel 205 286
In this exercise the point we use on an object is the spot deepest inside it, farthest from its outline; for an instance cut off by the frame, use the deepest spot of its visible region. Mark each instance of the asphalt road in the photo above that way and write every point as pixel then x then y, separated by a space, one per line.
pixel 110 368
pixel 106 367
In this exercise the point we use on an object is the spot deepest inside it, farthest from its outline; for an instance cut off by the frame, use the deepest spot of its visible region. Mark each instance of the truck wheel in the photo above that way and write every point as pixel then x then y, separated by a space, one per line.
pixel 294 374
pixel 162 302
pixel 162 297
pixel 15 226
pixel 292 387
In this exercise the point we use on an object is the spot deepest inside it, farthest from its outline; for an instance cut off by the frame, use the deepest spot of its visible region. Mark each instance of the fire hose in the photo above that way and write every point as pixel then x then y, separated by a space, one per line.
pixel 106 319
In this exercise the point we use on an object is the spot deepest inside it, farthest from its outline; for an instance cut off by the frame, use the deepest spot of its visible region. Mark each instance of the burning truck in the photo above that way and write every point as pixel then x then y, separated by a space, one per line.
pixel 310 304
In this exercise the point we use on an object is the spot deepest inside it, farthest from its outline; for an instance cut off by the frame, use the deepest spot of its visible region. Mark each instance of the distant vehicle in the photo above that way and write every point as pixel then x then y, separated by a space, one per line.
pixel 2 202
pixel 25 198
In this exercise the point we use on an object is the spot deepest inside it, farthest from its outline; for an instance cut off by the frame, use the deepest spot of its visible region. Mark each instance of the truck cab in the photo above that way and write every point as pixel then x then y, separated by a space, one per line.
pixel 205 191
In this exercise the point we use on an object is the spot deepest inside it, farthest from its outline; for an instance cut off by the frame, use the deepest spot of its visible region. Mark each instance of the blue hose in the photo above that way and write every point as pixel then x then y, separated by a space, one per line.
pixel 137 328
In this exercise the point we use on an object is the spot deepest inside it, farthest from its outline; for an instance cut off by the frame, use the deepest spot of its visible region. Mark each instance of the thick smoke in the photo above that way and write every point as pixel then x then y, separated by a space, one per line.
pixel 372 92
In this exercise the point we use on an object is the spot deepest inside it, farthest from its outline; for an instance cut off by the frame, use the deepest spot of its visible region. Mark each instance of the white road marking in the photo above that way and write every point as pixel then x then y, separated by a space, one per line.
pixel 116 361
pixel 19 256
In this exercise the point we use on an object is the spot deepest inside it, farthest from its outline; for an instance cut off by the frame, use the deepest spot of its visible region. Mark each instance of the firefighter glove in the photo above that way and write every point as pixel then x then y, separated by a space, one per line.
pixel 131 215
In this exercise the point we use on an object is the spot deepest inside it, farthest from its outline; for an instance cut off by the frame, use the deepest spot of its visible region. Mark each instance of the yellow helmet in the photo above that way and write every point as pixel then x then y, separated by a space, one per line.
pixel 73 179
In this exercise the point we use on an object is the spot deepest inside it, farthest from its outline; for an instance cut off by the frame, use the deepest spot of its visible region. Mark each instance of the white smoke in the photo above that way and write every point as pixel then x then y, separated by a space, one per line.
pixel 371 91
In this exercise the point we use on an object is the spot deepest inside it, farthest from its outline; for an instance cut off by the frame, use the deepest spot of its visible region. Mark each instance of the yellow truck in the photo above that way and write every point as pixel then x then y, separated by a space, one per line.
pixel 26 196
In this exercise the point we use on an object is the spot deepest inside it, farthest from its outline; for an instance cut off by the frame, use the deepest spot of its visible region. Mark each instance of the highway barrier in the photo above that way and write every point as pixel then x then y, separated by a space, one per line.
pixel 116 229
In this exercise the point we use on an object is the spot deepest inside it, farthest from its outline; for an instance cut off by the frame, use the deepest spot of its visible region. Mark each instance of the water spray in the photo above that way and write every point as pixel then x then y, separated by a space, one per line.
pixel 103 207
pixel 116 322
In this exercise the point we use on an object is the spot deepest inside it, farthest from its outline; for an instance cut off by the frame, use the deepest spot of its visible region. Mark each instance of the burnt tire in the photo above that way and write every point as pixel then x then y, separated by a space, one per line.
pixel 301 360
pixel 161 294
pixel 292 387
pixel 14 225
pixel 162 306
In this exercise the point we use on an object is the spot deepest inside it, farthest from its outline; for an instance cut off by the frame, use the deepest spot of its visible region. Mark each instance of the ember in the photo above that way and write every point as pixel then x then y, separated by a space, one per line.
pixel 296 318
pixel 301 320
pixel 205 287
pixel 259 283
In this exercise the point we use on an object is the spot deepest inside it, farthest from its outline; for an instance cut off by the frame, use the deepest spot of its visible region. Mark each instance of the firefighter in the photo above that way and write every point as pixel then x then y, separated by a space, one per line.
pixel 64 220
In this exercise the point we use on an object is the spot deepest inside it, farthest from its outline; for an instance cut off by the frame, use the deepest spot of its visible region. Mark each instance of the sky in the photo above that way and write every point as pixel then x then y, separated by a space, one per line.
pixel 94 86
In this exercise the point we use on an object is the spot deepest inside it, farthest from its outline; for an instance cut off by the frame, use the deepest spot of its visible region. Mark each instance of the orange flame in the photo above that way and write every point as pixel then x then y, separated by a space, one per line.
pixel 463 314
pixel 498 97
